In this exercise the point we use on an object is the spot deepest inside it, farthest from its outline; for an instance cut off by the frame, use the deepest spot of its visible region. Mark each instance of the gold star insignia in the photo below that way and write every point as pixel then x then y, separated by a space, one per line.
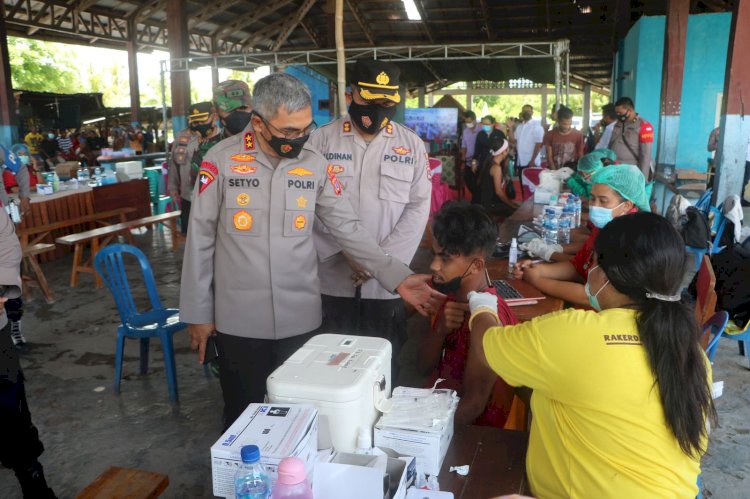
pixel 302 202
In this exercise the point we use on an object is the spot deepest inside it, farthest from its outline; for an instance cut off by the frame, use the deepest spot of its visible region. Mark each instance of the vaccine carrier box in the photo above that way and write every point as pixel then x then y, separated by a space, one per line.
pixel 132 169
pixel 344 377
pixel 279 431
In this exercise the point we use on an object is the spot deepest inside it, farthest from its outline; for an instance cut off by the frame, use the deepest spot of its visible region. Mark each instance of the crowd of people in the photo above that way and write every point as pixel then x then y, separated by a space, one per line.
pixel 294 229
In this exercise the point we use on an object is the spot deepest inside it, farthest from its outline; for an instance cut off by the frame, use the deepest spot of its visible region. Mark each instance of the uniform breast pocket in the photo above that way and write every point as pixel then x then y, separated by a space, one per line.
pixel 298 223
pixel 395 182
pixel 242 222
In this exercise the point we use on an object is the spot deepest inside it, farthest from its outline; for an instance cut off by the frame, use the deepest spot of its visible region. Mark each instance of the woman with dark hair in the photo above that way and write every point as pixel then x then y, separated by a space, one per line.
pixel 493 180
pixel 621 396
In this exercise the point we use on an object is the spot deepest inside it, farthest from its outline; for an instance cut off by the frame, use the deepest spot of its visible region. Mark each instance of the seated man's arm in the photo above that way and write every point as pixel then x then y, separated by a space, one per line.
pixel 477 388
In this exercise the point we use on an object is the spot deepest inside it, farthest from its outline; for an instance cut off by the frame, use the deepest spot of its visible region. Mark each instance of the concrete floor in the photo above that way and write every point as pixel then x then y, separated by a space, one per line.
pixel 85 427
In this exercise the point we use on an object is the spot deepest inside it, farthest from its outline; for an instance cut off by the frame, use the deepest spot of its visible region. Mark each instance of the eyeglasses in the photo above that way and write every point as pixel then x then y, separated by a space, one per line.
pixel 289 133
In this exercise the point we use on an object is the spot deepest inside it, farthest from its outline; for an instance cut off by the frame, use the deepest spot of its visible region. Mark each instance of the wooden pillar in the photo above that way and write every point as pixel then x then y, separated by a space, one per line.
pixel 733 147
pixel 177 38
pixel 675 38
pixel 135 94
pixel 8 124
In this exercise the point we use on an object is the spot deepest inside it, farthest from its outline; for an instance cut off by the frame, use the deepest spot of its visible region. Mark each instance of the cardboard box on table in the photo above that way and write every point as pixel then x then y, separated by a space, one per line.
pixel 344 377
pixel 279 431
pixel 347 476
pixel 427 445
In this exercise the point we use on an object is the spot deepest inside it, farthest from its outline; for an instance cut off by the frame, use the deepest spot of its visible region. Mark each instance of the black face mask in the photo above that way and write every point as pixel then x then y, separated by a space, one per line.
pixel 287 148
pixel 204 129
pixel 622 117
pixel 236 121
pixel 450 287
pixel 372 118
pixel 526 116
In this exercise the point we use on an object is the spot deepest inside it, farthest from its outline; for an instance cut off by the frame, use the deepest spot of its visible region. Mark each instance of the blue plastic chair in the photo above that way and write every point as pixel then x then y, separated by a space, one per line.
pixel 718 226
pixel 697 255
pixel 704 202
pixel 714 327
pixel 159 322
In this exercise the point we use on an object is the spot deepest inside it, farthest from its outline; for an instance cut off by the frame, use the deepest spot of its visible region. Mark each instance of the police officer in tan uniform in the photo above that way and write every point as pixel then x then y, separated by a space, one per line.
pixel 191 145
pixel 250 269
pixel 633 138
pixel 383 170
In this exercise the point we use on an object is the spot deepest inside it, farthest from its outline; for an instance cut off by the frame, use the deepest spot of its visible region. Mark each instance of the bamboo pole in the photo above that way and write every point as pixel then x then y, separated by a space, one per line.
pixel 340 57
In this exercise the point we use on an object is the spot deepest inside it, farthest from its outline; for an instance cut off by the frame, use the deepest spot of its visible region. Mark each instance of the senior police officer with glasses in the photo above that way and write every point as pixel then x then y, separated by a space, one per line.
pixel 250 268
pixel 383 169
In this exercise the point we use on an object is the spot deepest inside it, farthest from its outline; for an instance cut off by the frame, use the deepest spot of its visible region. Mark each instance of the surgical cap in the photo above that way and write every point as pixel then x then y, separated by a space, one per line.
pixel 592 161
pixel 628 181
pixel 16 148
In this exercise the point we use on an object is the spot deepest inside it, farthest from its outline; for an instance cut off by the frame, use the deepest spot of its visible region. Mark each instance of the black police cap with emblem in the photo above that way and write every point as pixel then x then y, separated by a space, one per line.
pixel 377 80
pixel 199 112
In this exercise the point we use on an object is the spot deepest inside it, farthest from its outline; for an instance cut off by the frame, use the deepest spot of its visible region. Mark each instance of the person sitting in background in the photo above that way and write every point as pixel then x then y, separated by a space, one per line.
pixel 463 239
pixel 33 141
pixel 622 396
pixel 494 181
pixel 135 137
pixel 617 190
pixel 50 150
pixel 66 144
pixel 563 144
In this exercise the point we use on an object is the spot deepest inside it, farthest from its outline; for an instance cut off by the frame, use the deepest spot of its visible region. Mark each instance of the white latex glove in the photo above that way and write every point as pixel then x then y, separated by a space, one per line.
pixel 537 247
pixel 480 303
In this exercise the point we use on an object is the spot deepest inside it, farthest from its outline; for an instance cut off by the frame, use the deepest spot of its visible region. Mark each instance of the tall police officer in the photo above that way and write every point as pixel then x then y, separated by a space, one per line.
pixel 382 167
pixel 632 138
pixel 250 269
pixel 191 145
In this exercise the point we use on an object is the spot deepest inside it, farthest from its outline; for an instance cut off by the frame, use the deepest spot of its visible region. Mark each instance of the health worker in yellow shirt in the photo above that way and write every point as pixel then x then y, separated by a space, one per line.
pixel 620 396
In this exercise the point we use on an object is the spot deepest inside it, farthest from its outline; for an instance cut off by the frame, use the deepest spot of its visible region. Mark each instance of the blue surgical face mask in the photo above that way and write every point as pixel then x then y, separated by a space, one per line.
pixel 593 300
pixel 600 216
pixel 24 160
pixel 487 128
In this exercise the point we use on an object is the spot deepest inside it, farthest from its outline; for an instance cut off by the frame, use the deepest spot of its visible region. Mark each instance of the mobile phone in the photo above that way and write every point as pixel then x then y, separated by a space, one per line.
pixel 212 353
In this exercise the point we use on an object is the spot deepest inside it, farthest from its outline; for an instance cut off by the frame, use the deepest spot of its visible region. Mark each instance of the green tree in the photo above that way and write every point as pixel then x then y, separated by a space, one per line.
pixel 42 66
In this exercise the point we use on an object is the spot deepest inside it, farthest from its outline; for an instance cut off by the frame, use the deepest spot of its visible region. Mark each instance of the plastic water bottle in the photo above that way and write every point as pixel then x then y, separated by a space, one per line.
pixel 251 480
pixel 577 206
pixel 550 226
pixel 512 257
pixel 292 482
pixel 563 236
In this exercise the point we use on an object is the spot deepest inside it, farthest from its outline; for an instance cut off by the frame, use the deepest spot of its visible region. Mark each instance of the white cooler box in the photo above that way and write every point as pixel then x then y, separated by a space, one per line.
pixel 344 377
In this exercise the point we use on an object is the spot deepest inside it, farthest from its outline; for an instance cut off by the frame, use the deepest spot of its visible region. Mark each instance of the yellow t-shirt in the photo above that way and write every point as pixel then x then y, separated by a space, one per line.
pixel 598 428
pixel 32 141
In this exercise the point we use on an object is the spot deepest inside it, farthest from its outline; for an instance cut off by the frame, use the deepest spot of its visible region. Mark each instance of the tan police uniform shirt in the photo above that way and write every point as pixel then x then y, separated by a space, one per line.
pixel 180 160
pixel 387 185
pixel 10 263
pixel 632 141
pixel 250 264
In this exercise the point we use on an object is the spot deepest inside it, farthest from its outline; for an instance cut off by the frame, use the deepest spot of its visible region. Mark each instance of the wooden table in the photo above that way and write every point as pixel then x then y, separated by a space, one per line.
pixel 126 483
pixel 497 461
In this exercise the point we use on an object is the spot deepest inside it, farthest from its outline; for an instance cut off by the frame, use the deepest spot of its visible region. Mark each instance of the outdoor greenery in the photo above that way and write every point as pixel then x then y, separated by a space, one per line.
pixel 62 68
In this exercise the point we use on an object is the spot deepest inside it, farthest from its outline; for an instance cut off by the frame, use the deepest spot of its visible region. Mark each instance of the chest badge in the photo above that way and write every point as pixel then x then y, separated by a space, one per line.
pixel 249 141
pixel 401 150
pixel 243 169
pixel 300 222
pixel 301 202
pixel 243 221
pixel 300 172
pixel 243 199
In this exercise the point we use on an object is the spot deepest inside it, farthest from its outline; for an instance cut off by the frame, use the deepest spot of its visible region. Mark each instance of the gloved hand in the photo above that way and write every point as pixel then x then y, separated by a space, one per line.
pixel 537 247
pixel 480 303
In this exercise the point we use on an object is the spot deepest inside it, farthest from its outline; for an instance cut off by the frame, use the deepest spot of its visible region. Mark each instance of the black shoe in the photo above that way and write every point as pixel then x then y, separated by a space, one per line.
pixel 33 484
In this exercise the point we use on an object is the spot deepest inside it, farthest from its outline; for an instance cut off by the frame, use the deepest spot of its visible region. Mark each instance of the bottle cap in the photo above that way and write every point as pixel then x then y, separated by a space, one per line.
pixel 250 454
pixel 292 471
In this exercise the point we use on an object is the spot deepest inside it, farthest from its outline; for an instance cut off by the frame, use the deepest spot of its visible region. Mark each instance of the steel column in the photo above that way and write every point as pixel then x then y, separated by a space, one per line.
pixel 671 83
pixel 177 38
pixel 731 155
pixel 586 108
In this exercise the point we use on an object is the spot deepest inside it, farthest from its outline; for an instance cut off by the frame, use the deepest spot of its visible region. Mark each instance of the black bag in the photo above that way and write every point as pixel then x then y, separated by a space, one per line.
pixel 696 231
pixel 510 189
pixel 732 270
